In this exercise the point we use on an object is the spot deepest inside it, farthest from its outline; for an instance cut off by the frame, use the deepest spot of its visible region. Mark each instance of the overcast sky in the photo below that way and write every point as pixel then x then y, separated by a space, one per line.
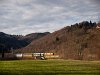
pixel 29 16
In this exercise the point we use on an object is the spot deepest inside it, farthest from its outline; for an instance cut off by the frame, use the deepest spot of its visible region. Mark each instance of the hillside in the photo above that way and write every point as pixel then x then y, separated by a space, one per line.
pixel 7 41
pixel 78 41
pixel 33 36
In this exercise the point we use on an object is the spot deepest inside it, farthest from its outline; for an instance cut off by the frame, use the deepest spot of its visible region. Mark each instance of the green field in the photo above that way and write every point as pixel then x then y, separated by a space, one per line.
pixel 49 67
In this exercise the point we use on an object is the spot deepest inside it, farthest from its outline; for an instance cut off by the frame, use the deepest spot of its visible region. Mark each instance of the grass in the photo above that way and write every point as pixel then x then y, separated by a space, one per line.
pixel 49 67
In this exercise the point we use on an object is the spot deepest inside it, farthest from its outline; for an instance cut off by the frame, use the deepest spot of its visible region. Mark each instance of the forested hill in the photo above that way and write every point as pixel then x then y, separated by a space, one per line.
pixel 78 41
pixel 8 42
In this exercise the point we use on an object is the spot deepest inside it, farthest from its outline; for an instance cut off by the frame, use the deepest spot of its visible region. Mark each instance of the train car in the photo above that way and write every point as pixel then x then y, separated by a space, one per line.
pixel 19 55
pixel 51 56
pixel 38 56
pixel 27 55
pixel 48 53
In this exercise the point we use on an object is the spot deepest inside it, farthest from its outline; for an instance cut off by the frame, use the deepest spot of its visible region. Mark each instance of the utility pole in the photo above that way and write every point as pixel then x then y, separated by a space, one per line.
pixel 12 50
pixel 2 51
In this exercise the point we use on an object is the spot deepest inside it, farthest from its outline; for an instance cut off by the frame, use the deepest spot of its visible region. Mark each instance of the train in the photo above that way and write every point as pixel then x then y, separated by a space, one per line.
pixel 42 56
pixel 34 56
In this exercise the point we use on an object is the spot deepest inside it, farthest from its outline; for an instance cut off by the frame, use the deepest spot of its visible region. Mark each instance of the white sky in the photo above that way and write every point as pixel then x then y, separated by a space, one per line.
pixel 29 16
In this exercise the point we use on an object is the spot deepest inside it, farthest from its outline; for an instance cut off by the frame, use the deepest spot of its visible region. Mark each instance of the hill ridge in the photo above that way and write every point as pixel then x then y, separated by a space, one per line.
pixel 78 41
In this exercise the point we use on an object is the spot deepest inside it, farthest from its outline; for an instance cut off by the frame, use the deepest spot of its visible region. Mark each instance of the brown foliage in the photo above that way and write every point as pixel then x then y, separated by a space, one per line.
pixel 72 42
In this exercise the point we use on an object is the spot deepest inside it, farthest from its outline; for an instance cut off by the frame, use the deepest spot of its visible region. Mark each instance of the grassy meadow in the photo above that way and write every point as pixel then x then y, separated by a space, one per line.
pixel 49 67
